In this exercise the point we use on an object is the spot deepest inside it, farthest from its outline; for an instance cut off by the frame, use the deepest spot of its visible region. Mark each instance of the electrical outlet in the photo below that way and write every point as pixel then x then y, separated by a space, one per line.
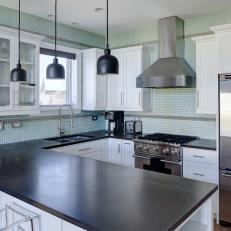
pixel 94 118
pixel 17 124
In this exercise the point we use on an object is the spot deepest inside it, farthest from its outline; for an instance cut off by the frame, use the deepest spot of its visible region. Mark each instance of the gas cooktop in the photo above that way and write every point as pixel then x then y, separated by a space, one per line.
pixel 167 138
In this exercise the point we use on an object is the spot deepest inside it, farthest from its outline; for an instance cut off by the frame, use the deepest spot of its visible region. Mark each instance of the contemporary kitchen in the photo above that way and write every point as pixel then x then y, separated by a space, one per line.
pixel 115 115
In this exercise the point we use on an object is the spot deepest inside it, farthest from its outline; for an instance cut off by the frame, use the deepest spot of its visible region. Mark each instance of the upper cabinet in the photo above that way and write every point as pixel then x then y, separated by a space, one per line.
pixel 122 91
pixel 116 92
pixel 17 97
pixel 223 40
pixel 94 87
pixel 207 74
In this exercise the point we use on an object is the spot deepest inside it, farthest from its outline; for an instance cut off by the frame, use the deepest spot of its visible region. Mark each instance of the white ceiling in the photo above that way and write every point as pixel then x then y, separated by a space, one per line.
pixel 124 14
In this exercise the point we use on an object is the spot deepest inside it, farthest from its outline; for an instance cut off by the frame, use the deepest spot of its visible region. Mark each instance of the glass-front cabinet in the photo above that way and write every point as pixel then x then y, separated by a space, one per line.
pixel 19 97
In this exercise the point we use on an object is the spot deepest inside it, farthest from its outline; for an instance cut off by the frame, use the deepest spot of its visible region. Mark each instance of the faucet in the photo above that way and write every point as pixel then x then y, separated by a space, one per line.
pixel 60 118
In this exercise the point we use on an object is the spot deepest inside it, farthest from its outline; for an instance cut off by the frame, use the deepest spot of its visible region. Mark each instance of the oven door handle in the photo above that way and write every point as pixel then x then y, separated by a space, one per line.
pixel 142 157
pixel 172 162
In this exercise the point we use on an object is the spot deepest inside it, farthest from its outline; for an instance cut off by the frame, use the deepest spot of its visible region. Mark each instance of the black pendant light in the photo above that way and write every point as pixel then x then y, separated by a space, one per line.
pixel 18 74
pixel 55 70
pixel 107 63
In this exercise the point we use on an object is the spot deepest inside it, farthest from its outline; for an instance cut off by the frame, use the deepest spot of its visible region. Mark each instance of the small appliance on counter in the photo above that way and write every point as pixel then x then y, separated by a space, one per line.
pixel 115 121
pixel 133 127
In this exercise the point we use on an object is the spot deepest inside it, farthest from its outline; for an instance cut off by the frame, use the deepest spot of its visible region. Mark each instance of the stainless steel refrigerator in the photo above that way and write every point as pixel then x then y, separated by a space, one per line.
pixel 225 147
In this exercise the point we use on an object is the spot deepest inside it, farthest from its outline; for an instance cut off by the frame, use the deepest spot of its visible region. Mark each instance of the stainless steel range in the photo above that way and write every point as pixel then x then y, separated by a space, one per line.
pixel 160 152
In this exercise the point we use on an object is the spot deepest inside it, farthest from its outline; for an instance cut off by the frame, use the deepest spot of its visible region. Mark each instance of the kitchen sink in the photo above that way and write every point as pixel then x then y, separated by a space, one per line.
pixel 69 139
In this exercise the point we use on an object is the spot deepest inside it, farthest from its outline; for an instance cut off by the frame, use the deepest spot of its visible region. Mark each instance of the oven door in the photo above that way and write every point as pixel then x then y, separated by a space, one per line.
pixel 158 164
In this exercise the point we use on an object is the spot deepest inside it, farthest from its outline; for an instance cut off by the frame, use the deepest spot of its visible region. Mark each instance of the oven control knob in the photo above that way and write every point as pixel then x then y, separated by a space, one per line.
pixel 174 152
pixel 146 148
pixel 166 151
pixel 155 148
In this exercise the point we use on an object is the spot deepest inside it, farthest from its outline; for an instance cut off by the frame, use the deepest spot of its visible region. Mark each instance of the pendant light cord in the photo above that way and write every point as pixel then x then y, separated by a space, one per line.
pixel 19 30
pixel 55 28
pixel 107 45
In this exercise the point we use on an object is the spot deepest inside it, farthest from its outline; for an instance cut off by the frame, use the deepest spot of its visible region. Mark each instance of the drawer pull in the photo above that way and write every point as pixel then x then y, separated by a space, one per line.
pixel 226 175
pixel 84 149
pixel 198 174
pixel 196 156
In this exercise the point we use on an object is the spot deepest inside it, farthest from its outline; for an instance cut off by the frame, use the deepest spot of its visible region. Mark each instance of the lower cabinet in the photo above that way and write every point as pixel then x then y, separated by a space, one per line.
pixel 121 152
pixel 110 150
pixel 93 149
pixel 69 227
pixel 43 221
pixel 202 165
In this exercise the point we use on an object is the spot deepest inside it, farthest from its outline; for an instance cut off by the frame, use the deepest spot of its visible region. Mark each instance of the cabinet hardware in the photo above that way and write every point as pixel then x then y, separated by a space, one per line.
pixel 226 175
pixel 142 157
pixel 196 156
pixel 84 149
pixel 171 162
pixel 139 98
pixel 118 148
pixel 128 143
pixel 198 101
pixel 121 98
pixel 198 174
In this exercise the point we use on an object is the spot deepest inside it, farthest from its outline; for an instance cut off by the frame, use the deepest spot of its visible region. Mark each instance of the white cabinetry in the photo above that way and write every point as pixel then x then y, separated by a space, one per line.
pixel 69 227
pixel 115 151
pixel 121 152
pixel 128 153
pixel 122 91
pixel 19 98
pixel 48 222
pixel 207 74
pixel 201 165
pixel 223 39
pixel 93 150
pixel 94 87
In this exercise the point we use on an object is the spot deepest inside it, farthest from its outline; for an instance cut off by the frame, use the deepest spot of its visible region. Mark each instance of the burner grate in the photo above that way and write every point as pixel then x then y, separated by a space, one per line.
pixel 169 138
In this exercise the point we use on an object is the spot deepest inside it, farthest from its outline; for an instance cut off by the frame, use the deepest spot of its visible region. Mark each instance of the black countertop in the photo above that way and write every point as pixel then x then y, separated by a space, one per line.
pixel 202 144
pixel 96 195
pixel 101 134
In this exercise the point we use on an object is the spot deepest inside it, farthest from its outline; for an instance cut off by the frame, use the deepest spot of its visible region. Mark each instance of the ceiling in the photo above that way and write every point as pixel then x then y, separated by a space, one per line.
pixel 124 14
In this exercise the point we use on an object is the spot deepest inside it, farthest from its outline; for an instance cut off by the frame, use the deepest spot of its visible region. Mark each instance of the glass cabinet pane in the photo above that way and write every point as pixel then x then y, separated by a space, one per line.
pixel 26 95
pixel 5 72
pixel 4 49
pixel 30 71
pixel 27 53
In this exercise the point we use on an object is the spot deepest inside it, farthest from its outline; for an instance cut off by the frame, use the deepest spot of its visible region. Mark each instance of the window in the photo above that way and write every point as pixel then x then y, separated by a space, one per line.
pixel 57 92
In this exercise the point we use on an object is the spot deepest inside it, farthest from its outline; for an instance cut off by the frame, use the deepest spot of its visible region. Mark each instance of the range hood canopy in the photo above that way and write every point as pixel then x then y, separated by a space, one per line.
pixel 171 69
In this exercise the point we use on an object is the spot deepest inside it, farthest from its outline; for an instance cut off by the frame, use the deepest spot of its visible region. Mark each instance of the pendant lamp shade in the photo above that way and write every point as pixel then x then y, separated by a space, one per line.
pixel 18 74
pixel 55 70
pixel 107 63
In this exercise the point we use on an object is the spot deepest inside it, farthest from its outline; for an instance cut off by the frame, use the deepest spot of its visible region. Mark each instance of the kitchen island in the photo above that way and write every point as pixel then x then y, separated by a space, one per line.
pixel 100 196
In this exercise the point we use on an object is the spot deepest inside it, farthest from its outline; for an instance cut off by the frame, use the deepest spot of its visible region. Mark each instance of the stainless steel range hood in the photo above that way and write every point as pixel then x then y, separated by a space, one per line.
pixel 171 70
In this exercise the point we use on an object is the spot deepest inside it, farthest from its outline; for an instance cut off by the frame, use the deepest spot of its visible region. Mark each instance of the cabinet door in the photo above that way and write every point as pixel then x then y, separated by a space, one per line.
pixel 133 67
pixel 115 86
pixel 115 147
pixel 69 227
pixel 48 222
pixel 127 154
pixel 5 68
pixel 207 78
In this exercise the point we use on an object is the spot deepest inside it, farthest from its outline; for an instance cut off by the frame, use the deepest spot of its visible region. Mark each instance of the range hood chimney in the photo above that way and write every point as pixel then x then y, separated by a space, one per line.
pixel 171 69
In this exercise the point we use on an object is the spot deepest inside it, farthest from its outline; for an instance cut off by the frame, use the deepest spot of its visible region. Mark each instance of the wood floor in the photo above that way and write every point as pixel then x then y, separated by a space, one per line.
pixel 220 228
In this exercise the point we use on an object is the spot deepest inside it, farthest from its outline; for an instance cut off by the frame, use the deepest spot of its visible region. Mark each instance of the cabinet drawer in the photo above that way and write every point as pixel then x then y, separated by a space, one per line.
pixel 81 149
pixel 200 155
pixel 201 172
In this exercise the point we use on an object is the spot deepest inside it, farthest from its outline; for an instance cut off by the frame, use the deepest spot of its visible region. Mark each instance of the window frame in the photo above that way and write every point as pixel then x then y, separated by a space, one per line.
pixel 74 84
